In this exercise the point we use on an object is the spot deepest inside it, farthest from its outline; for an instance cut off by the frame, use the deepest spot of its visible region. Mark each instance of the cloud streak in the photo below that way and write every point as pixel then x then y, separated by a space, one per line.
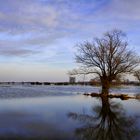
pixel 16 52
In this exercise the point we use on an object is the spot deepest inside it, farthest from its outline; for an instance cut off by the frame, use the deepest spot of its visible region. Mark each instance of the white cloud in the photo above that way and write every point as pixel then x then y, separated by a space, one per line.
pixel 27 16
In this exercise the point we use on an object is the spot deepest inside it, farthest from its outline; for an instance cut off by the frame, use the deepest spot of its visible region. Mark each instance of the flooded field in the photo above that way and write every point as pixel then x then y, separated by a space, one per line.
pixel 63 113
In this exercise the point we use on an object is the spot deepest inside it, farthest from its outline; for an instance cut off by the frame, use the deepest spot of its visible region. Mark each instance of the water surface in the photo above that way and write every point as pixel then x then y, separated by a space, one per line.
pixel 63 113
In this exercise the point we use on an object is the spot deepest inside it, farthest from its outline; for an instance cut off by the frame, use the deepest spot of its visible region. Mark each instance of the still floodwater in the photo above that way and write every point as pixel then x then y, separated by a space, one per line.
pixel 63 113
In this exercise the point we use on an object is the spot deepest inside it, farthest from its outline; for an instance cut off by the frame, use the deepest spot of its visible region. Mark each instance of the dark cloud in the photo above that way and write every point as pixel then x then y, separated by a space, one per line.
pixel 16 52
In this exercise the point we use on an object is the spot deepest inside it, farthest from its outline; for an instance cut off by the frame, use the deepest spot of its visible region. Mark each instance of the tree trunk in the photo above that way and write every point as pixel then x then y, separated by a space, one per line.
pixel 105 86
pixel 105 90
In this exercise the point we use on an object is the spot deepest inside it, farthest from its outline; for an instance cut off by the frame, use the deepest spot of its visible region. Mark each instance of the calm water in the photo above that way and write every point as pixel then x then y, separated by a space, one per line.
pixel 63 113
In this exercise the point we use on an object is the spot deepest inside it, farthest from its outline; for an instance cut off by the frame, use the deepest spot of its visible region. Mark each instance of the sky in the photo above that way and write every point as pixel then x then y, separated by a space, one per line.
pixel 38 37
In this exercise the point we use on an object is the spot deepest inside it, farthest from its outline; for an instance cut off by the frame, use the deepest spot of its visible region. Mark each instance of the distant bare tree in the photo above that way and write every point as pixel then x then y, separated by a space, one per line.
pixel 108 57
pixel 137 75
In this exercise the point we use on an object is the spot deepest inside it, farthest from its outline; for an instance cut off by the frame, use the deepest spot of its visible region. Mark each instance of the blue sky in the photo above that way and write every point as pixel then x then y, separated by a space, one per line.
pixel 38 37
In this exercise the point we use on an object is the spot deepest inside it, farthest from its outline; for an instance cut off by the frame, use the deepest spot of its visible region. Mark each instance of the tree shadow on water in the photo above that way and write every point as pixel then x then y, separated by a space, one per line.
pixel 107 121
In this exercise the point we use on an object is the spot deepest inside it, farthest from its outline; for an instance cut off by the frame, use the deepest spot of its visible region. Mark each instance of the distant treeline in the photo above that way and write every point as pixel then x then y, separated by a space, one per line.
pixel 92 83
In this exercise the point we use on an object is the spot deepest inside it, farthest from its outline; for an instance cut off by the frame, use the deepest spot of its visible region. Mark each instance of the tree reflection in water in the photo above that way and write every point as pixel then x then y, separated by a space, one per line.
pixel 107 122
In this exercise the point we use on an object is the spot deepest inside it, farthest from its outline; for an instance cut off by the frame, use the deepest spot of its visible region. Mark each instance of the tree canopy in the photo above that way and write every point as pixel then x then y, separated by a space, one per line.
pixel 108 57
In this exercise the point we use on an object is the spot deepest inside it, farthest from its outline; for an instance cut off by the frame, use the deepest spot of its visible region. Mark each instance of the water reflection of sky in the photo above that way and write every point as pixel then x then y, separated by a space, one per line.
pixel 47 116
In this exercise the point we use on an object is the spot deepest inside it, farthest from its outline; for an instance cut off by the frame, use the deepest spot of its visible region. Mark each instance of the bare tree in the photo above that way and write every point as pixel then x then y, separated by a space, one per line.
pixel 108 57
